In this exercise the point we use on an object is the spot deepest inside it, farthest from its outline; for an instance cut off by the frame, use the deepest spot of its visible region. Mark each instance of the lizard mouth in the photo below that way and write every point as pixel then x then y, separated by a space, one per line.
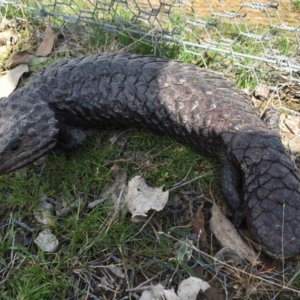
pixel 24 159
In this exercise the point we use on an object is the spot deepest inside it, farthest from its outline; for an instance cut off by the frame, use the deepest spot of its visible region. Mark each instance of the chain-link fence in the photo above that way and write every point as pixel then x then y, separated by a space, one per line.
pixel 256 42
pixel 259 36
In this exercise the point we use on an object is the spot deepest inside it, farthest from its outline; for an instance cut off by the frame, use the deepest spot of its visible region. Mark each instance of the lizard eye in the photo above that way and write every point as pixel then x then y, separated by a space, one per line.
pixel 16 146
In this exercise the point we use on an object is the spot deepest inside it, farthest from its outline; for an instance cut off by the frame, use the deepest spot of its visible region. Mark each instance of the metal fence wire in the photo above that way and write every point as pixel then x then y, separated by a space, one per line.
pixel 256 42
pixel 259 36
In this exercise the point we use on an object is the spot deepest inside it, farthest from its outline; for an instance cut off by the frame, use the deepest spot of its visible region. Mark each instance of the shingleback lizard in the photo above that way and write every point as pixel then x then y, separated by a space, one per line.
pixel 258 179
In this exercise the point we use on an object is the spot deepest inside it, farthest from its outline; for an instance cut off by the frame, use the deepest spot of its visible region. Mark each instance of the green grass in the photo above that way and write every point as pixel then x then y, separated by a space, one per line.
pixel 88 236
pixel 296 3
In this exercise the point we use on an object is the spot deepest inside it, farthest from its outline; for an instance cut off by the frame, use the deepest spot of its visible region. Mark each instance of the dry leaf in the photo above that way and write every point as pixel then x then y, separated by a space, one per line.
pixel 198 224
pixel 116 271
pixel 10 80
pixel 294 144
pixel 9 37
pixel 47 241
pixel 5 50
pixel 188 290
pixel 293 124
pixel 227 235
pixel 141 198
pixel 290 132
pixel 24 57
pixel 261 92
pixel 190 287
pixel 170 295
pixel 21 57
pixel 4 22
pixel 154 292
pixel 44 212
pixel 228 256
pixel 46 45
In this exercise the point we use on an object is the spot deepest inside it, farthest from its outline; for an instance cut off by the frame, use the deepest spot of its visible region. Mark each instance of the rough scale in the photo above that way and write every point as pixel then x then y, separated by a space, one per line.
pixel 259 181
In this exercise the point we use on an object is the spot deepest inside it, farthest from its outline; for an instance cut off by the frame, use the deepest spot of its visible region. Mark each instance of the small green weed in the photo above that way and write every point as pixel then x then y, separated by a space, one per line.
pixel 296 3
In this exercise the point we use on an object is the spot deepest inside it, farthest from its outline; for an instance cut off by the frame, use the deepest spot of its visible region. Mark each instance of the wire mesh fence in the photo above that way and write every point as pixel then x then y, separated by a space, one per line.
pixel 259 36
pixel 255 42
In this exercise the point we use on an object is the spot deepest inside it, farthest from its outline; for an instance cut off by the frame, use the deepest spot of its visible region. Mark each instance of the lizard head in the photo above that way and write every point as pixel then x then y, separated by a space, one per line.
pixel 27 131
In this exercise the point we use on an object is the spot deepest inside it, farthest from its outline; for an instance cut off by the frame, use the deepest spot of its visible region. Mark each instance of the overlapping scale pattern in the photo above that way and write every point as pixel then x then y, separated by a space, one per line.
pixel 194 106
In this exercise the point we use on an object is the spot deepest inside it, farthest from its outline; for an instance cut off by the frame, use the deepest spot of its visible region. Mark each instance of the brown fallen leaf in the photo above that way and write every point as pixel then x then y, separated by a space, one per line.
pixel 46 45
pixel 20 57
pixel 227 235
pixel 198 224
pixel 10 80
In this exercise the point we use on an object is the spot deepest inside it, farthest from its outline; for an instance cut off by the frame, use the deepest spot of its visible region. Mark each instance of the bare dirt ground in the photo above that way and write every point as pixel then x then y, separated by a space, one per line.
pixel 281 13
pixel 286 10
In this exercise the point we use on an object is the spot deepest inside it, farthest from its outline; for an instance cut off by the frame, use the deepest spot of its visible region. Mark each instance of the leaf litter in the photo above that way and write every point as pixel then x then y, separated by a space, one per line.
pixel 9 37
pixel 10 80
pixel 141 198
pixel 25 57
pixel 20 57
pixel 45 48
pixel 228 236
pixel 47 241
pixel 188 290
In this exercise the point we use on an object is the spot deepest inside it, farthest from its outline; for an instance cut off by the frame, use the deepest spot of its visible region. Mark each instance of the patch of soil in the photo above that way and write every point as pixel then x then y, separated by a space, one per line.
pixel 279 12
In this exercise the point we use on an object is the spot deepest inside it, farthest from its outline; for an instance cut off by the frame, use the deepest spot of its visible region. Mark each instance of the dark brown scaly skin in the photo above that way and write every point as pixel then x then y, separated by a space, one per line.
pixel 191 104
